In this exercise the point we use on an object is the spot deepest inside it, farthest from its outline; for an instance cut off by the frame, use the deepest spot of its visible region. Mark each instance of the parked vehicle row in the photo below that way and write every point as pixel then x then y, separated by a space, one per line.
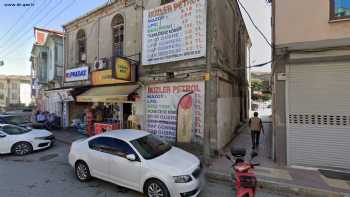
pixel 137 160
pixel 133 159
pixel 21 141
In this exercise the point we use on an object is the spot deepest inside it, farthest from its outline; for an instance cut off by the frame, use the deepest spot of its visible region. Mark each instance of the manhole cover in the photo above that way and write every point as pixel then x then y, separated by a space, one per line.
pixel 48 157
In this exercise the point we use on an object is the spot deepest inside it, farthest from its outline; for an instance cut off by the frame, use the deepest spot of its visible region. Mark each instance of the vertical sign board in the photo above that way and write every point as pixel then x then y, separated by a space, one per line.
pixel 174 31
pixel 175 111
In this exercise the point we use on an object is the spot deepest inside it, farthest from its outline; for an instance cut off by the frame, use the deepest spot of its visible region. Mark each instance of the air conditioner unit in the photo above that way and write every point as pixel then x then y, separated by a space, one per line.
pixel 100 64
pixel 83 57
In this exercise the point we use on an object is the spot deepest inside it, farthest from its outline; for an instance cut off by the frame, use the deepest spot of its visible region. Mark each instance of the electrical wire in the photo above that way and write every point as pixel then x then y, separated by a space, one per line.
pixel 16 23
pixel 57 15
pixel 20 36
pixel 255 26
pixel 27 22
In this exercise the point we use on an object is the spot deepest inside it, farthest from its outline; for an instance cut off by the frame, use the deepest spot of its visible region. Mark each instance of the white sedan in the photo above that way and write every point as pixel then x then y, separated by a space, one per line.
pixel 22 141
pixel 137 160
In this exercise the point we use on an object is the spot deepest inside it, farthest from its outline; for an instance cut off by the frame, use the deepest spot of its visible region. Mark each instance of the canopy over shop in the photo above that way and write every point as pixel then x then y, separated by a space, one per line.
pixel 110 107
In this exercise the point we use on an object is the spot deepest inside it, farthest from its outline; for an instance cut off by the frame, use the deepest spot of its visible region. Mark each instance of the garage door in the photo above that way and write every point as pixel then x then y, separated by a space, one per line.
pixel 318 115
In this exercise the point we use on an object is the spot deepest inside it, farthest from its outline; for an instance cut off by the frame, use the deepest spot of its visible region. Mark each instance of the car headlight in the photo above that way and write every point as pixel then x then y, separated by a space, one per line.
pixel 182 179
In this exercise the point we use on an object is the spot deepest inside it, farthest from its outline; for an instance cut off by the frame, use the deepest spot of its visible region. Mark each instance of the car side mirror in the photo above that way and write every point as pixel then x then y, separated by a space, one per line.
pixel 131 157
pixel 2 135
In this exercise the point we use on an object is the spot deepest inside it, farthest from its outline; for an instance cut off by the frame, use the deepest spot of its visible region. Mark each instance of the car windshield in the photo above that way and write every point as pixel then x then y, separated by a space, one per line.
pixel 14 130
pixel 150 146
pixel 15 120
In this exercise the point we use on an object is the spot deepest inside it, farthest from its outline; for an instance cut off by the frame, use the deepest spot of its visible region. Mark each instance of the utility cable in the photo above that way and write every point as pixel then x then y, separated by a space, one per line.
pixel 57 15
pixel 255 26
pixel 14 24
pixel 37 12
pixel 20 36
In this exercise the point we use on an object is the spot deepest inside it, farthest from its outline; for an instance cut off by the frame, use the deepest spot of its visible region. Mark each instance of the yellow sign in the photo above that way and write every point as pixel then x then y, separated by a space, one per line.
pixel 104 77
pixel 123 69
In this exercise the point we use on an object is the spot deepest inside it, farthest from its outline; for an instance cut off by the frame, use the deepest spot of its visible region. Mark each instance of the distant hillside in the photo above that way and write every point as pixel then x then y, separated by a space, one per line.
pixel 263 76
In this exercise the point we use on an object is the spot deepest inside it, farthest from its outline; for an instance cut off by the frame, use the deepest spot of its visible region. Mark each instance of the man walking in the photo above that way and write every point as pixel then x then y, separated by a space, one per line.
pixel 255 125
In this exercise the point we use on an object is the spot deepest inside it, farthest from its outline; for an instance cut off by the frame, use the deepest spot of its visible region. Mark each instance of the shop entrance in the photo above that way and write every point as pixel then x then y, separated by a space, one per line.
pixel 127 111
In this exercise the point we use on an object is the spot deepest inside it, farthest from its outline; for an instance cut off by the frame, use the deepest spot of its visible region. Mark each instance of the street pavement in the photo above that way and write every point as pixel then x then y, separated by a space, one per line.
pixel 47 173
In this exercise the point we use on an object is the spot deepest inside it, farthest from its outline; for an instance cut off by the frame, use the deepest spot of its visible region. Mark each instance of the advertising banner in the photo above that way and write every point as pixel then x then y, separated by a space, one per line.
pixel 104 77
pixel 122 69
pixel 77 74
pixel 174 31
pixel 175 111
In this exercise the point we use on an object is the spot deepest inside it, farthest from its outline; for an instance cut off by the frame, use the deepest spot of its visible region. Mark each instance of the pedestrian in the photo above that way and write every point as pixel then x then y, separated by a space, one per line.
pixel 256 126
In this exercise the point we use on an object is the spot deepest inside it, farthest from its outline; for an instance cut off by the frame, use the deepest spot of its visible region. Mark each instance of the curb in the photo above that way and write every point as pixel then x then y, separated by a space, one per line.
pixel 281 187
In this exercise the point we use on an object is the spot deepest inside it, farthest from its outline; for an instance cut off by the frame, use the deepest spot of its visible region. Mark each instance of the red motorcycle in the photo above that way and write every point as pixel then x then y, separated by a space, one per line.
pixel 245 179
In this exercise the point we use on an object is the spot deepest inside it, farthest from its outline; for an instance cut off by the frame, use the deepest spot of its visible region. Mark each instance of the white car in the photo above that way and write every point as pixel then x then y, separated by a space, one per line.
pixel 137 160
pixel 22 141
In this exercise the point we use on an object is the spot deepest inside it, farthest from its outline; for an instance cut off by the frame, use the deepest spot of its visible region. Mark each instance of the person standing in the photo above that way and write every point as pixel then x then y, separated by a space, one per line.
pixel 90 122
pixel 256 126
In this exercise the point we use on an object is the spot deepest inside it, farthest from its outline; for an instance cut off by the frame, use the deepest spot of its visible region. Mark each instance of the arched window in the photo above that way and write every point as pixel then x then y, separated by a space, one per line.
pixel 81 38
pixel 118 34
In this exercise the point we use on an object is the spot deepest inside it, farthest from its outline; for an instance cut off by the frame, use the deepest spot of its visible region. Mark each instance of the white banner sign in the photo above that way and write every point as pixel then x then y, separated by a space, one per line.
pixel 175 111
pixel 174 31
pixel 77 74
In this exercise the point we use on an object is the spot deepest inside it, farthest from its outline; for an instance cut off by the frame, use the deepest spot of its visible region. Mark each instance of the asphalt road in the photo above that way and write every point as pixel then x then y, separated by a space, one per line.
pixel 48 174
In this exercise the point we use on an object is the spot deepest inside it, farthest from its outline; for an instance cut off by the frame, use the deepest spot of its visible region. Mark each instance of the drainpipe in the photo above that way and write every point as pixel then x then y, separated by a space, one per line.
pixel 206 140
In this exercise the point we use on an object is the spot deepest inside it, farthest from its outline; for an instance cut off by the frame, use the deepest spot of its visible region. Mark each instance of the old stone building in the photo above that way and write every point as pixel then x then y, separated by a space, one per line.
pixel 187 81
pixel 10 87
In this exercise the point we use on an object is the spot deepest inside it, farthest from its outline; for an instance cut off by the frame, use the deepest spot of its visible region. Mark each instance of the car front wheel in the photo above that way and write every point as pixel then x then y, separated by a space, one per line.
pixel 82 171
pixel 22 148
pixel 155 188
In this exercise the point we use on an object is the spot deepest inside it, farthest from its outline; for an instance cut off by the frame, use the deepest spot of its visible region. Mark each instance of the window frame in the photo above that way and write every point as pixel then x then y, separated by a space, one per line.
pixel 332 16
pixel 118 29
pixel 108 149
pixel 81 40
pixel 16 127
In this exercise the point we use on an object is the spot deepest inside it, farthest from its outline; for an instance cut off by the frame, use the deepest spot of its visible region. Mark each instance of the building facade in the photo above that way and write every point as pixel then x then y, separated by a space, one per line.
pixel 47 70
pixel 10 89
pixel 190 75
pixel 310 77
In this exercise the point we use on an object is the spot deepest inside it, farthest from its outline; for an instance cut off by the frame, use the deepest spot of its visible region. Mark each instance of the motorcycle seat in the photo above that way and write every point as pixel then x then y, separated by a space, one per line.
pixel 238 152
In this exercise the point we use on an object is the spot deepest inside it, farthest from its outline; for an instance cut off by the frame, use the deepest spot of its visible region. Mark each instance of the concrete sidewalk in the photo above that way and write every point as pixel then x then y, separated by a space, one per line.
pixel 275 177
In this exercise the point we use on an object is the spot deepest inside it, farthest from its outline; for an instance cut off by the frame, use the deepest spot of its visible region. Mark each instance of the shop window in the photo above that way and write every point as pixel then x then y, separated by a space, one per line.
pixel 118 34
pixel 339 9
pixel 81 38
pixel 162 2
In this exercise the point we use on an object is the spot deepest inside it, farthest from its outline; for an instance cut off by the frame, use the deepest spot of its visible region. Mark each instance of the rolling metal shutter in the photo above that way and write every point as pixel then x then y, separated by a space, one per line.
pixel 318 115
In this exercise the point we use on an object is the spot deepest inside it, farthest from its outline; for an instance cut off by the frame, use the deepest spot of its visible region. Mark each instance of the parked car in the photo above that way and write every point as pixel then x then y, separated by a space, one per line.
pixel 22 141
pixel 137 160
pixel 16 119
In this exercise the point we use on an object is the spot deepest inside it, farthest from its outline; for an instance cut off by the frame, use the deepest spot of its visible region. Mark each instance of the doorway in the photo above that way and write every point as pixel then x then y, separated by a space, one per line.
pixel 127 111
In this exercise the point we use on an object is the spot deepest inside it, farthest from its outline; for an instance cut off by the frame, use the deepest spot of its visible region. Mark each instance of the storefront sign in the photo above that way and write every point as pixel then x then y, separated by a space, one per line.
pixel 77 74
pixel 175 111
pixel 123 69
pixel 175 31
pixel 104 77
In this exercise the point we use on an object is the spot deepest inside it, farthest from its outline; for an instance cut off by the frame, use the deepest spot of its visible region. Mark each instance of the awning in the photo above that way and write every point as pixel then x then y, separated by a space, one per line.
pixel 109 94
